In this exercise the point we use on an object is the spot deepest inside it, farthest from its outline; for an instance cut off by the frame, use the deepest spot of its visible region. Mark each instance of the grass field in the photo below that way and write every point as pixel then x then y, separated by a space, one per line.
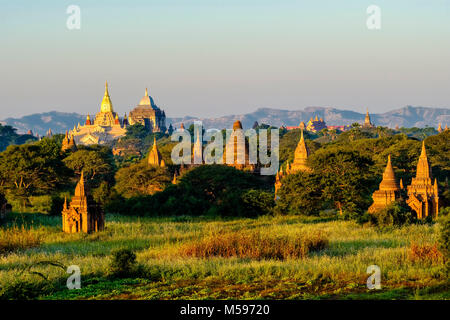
pixel 179 259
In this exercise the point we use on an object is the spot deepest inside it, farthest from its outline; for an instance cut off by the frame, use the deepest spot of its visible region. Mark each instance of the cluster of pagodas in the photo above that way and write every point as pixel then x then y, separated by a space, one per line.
pixel 422 193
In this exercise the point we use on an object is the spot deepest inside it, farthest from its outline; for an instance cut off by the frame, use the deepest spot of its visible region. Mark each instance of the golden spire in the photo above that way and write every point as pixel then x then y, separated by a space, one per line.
pixel 423 169
pixel 146 92
pixel 154 157
pixel 389 182
pixel 401 183
pixel 439 129
pixel 300 156
pixel 106 105
pixel 79 189
pixel 174 180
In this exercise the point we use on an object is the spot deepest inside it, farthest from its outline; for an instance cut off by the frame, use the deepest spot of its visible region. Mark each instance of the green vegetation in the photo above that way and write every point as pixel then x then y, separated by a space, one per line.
pixel 9 136
pixel 333 271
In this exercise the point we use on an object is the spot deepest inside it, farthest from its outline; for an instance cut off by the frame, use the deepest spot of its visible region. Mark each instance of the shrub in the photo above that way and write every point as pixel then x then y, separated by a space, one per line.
pixel 396 214
pixel 16 238
pixel 256 245
pixel 21 289
pixel 257 202
pixel 123 263
pixel 425 253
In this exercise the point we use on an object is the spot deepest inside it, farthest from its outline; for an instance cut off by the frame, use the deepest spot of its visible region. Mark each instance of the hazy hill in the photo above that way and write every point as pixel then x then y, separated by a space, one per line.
pixel 39 123
pixel 408 116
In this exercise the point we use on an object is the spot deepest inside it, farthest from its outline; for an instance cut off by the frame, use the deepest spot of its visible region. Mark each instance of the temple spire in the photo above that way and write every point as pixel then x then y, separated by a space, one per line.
pixel 154 157
pixel 389 182
pixel 300 156
pixel 106 105
pixel 423 168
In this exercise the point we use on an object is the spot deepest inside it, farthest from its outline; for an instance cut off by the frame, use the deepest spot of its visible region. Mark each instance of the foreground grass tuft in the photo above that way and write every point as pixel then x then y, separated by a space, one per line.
pixel 16 238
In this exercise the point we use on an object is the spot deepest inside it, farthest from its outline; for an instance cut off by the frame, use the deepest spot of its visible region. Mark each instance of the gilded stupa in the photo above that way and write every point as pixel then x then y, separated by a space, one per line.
pixel 422 193
pixel 154 156
pixel 389 189
pixel 105 128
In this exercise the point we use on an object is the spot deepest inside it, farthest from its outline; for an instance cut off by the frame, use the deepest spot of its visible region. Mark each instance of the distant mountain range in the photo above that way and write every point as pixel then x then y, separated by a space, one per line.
pixel 408 116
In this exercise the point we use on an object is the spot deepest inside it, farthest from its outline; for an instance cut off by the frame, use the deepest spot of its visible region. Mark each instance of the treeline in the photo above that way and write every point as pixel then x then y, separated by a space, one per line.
pixel 347 168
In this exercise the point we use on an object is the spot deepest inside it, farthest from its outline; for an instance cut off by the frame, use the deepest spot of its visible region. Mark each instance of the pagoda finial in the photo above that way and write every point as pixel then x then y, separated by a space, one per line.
pixel 146 92
pixel 423 153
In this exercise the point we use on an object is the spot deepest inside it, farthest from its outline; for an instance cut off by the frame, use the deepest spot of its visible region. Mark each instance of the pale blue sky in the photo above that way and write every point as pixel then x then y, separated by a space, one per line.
pixel 211 58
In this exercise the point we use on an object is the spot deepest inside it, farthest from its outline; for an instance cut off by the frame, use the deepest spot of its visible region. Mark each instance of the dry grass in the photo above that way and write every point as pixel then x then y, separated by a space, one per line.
pixel 254 244
pixel 16 238
pixel 425 253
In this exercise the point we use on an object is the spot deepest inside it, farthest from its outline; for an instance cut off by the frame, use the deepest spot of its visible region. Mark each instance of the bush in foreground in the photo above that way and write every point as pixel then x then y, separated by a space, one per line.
pixel 123 263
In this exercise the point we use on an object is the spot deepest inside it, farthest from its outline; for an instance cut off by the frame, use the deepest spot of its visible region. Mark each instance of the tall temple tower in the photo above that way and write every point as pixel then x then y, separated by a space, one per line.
pixel 238 149
pixel 300 157
pixel 367 122
pixel 388 192
pixel 148 114
pixel 300 164
pixel 105 128
pixel 154 156
pixel 422 194
pixel 68 143
pixel 83 214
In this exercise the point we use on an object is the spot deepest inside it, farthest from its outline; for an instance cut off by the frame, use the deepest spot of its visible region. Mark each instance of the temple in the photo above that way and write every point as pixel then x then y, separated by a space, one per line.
pixel 68 144
pixel 316 124
pixel 422 193
pixel 105 128
pixel 149 115
pixel 300 164
pixel 238 148
pixel 367 122
pixel 439 129
pixel 83 214
pixel 388 192
pixel 154 156
pixel 300 157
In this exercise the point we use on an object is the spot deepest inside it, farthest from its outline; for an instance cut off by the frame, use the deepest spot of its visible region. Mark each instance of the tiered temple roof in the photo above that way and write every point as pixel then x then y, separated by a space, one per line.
pixel 422 194
pixel 83 214
pixel 388 191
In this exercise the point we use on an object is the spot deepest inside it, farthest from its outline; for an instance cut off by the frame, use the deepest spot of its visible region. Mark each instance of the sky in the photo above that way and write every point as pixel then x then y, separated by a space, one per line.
pixel 210 58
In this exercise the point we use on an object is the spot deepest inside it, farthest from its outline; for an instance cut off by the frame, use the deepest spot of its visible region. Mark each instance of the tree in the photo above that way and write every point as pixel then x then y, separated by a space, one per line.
pixel 344 178
pixel 141 179
pixel 97 163
pixel 300 194
pixel 32 169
